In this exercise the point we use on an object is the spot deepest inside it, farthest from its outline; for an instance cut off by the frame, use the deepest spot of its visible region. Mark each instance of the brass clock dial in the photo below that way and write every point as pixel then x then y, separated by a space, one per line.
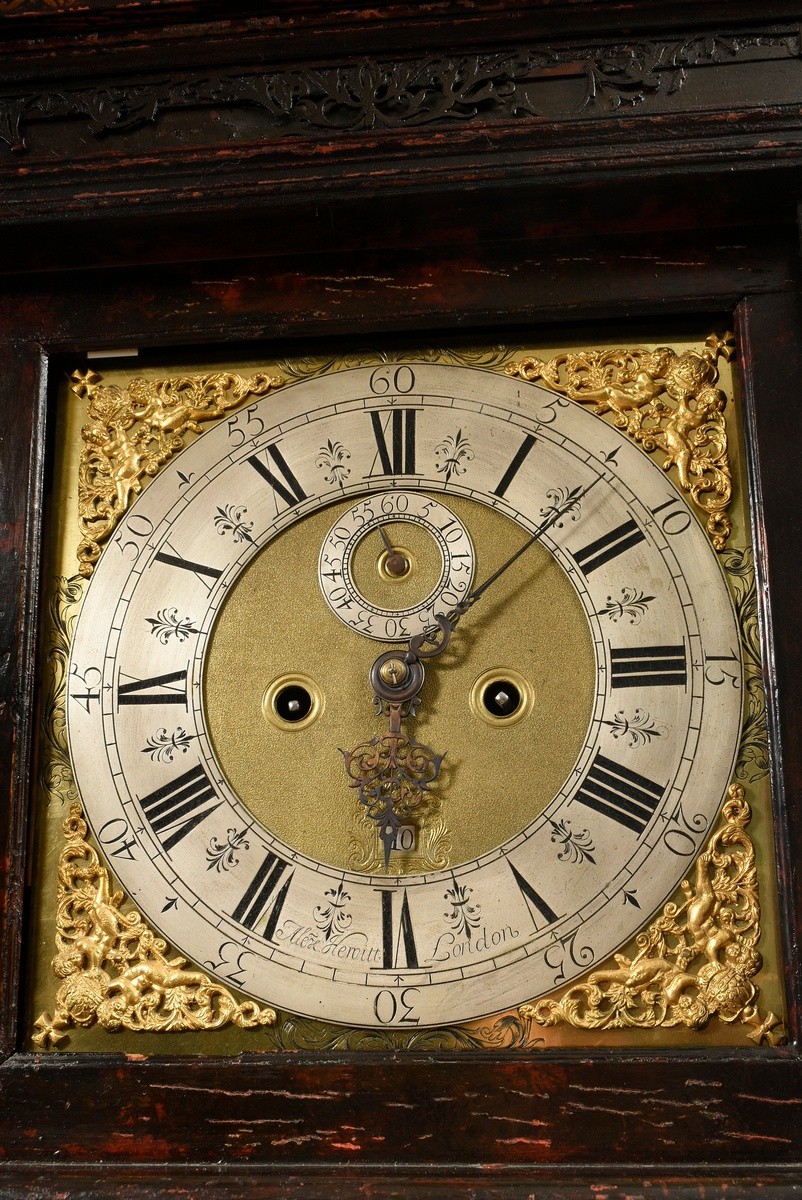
pixel 206 628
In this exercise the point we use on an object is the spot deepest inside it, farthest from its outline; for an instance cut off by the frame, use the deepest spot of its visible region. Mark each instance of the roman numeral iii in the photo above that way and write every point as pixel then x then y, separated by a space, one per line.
pixel 648 666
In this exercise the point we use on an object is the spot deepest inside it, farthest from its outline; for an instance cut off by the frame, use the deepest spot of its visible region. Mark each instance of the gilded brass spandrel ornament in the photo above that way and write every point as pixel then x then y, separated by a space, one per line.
pixel 512 1031
pixel 133 431
pixel 696 961
pixel 663 400
pixel 115 969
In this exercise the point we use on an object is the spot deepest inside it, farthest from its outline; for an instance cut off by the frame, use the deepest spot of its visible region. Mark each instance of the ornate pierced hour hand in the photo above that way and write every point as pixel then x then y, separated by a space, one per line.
pixel 392 771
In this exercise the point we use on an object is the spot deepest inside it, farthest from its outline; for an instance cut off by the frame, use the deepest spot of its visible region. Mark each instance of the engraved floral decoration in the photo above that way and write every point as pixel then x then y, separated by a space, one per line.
pixel 132 431
pixel 636 730
pixel 162 746
pixel 753 761
pixel 664 401
pixel 332 459
pixel 453 454
pixel 224 856
pixel 332 918
pixel 114 968
pixel 167 624
pixel 463 915
pixel 633 604
pixel 56 770
pixel 697 960
pixel 576 846
pixel 564 501
pixel 508 84
pixel 432 850
pixel 230 520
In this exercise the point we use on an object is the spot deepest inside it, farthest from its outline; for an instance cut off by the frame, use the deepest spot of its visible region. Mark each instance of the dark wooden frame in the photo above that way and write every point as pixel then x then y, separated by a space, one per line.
pixel 654 217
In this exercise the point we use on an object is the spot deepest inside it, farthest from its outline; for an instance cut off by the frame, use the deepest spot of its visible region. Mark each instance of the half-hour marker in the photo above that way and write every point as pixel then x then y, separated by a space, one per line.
pixel 259 897
pixel 397 457
pixel 605 548
pixel 515 466
pixel 287 487
pixel 617 792
pixel 138 691
pixel 648 666
pixel 535 902
pixel 176 808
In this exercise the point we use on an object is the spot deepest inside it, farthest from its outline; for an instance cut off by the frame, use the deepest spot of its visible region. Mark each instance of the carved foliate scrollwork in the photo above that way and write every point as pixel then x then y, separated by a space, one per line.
pixel 697 960
pixel 132 431
pixel 372 94
pixel 663 400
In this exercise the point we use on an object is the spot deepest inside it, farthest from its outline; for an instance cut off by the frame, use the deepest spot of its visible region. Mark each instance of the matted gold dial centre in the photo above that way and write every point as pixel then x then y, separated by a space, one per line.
pixel 497 775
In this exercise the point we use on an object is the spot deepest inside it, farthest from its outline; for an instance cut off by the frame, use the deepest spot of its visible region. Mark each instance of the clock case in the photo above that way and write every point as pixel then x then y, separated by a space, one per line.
pixel 139 210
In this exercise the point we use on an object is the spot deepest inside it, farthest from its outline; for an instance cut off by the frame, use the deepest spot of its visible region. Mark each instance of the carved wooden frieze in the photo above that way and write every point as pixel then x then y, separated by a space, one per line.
pixel 527 84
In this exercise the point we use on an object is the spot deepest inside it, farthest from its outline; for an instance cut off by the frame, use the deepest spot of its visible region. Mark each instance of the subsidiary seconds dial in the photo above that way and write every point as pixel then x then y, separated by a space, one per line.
pixel 379 526
pixel 545 842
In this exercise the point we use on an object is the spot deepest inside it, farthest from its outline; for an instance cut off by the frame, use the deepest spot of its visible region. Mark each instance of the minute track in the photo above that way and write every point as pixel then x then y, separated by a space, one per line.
pixel 503 961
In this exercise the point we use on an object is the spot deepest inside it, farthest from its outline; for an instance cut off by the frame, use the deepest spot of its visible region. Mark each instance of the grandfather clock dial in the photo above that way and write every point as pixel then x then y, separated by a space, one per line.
pixel 579 731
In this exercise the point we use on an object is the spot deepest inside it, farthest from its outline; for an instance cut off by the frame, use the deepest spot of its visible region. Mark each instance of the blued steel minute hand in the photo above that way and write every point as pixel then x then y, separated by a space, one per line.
pixel 434 640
